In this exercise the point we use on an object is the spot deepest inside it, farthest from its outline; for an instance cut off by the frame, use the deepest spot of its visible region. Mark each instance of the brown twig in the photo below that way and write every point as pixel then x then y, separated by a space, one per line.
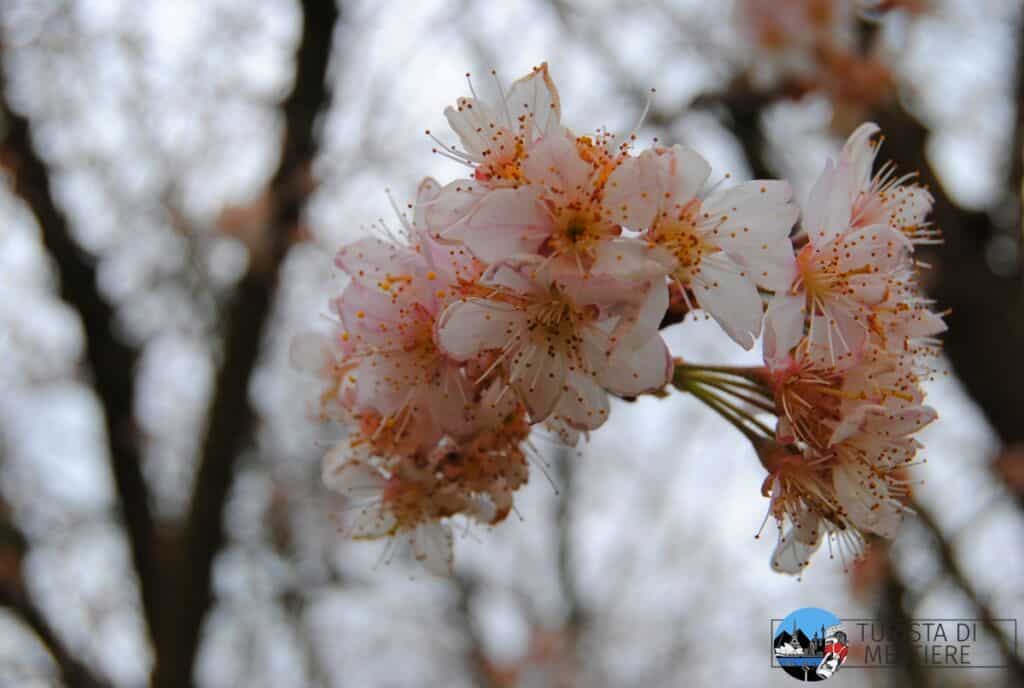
pixel 15 597
pixel 951 565
pixel 110 361
pixel 231 418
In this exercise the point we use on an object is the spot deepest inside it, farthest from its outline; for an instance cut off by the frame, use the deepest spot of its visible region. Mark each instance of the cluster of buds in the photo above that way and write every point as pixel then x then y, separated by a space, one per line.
pixel 533 289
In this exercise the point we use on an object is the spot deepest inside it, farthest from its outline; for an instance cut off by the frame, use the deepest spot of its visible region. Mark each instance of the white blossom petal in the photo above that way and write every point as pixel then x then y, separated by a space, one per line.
pixel 535 96
pixel 467 328
pixel 730 298
pixel 783 326
pixel 646 369
pixel 866 502
pixel 828 207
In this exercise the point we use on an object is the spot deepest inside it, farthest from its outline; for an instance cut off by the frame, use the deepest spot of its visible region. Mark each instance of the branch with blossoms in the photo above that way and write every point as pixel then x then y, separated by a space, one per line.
pixel 525 295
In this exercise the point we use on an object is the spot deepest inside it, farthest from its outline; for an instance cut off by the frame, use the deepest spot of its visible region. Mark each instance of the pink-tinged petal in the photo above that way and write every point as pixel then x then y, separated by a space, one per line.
pixel 684 173
pixel 876 248
pixel 859 152
pixel 426 193
pixel 646 369
pixel 791 554
pixel 474 122
pixel 538 374
pixel 867 289
pixel 885 424
pixel 920 322
pixel 432 547
pixel 367 522
pixel 610 295
pixel 536 97
pixel 454 202
pixel 370 316
pixel 503 223
pixel 837 339
pixel 774 267
pixel 660 180
pixel 807 526
pixel 386 381
pixel 752 222
pixel 637 326
pixel 467 328
pixel 351 477
pixel 849 426
pixel 730 297
pixel 896 423
pixel 584 406
pixel 865 501
pixel 828 207
pixel 909 206
pixel 632 194
pixel 629 258
pixel 555 164
pixel 520 274
pixel 373 262
pixel 783 327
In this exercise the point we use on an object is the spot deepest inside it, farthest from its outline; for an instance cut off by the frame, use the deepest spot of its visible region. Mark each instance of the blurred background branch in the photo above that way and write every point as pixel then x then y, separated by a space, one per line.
pixel 15 597
pixel 231 418
pixel 111 362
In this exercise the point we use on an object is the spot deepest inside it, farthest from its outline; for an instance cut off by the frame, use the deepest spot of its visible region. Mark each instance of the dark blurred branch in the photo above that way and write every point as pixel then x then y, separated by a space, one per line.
pixel 1015 178
pixel 14 597
pixel 231 418
pixel 951 565
pixel 466 585
pixel 739 109
pixel 111 362
pixel 893 604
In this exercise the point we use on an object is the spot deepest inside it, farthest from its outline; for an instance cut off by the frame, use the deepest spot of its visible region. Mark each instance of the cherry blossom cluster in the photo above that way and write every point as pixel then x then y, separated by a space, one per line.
pixel 847 345
pixel 532 290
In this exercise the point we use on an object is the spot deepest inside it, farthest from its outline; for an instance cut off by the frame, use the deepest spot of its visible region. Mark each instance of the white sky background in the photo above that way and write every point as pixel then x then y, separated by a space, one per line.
pixel 156 115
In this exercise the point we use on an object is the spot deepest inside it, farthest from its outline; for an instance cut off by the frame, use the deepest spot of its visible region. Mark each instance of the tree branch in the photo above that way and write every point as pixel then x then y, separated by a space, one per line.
pixel 231 418
pixel 950 564
pixel 110 361
pixel 14 596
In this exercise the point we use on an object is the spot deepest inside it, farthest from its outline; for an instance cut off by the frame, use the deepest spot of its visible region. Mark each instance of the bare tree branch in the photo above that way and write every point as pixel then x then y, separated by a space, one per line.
pixel 951 565
pixel 14 596
pixel 1015 178
pixel 111 362
pixel 231 418
pixel 892 611
pixel 466 585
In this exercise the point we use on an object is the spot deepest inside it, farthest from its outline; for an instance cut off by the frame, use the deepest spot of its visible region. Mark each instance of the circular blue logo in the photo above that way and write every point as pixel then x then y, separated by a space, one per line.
pixel 810 644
